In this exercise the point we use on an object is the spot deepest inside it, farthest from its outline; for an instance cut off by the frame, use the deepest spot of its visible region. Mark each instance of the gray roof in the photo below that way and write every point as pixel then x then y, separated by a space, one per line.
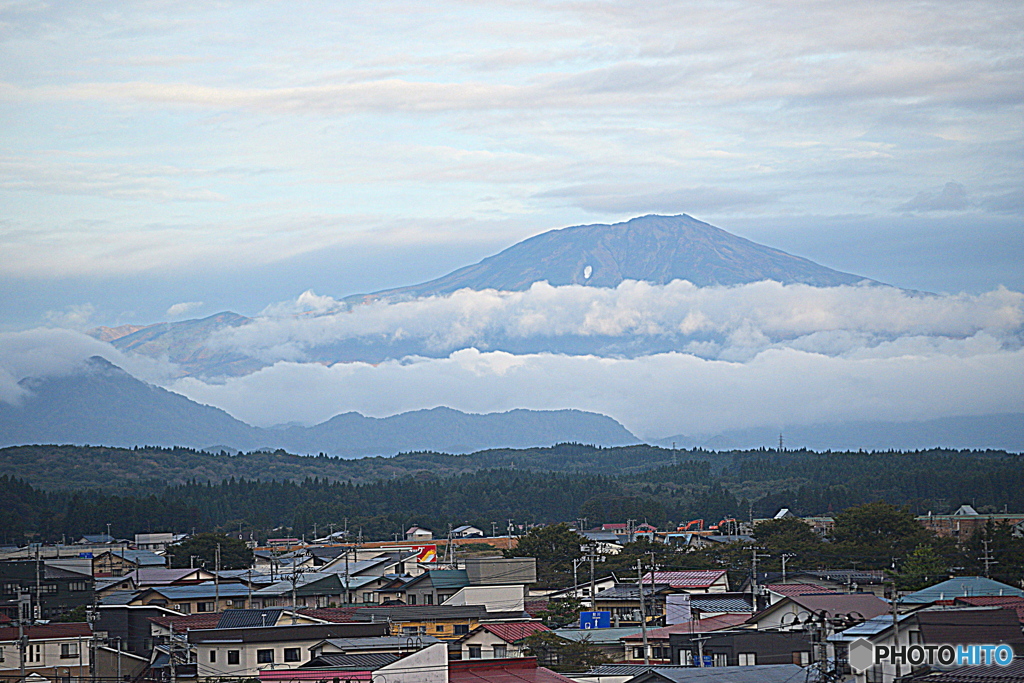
pixel 770 673
pixel 380 642
pixel 361 662
pixel 421 613
pixel 142 558
pixel 960 587
pixel 595 635
pixel 202 590
pixel 118 598
pixel 628 591
pixel 245 618
pixel 730 604
pixel 866 629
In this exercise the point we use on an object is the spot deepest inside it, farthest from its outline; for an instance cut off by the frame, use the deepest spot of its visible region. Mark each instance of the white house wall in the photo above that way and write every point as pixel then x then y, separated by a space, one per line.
pixel 494 598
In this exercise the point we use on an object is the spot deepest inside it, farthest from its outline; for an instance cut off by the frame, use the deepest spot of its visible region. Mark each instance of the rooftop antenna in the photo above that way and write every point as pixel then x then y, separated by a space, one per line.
pixel 780 443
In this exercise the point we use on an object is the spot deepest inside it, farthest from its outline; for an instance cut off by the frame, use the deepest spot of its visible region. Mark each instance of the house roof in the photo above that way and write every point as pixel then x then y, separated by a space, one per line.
pixel 871 627
pixel 699 578
pixel 738 603
pixel 595 635
pixel 969 626
pixel 1014 673
pixel 337 615
pixel 789 589
pixel 186 623
pixel 379 642
pixel 960 586
pixel 405 613
pixel 628 591
pixel 142 558
pixel 246 618
pixel 201 590
pixel 770 673
pixel 515 631
pixel 867 605
pixel 294 632
pixel 696 626
pixel 370 661
pixel 47 631
pixel 442 578
pixel 519 670
pixel 464 528
pixel 1009 601
pixel 158 576
pixel 95 538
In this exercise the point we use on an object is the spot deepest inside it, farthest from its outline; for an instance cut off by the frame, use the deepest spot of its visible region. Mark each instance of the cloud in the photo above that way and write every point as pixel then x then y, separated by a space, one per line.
pixel 726 322
pixel 178 310
pixel 616 199
pixel 76 317
pixel 653 396
pixel 953 197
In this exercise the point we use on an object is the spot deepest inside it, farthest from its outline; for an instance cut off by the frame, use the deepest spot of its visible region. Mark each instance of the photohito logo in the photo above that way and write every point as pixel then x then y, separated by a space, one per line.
pixel 863 654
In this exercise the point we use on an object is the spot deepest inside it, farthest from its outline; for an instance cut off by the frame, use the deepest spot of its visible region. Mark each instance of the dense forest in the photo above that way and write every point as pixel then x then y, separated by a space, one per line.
pixel 50 492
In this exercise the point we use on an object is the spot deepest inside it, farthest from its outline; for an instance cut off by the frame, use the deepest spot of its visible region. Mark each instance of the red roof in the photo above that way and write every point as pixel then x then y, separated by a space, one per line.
pixel 190 622
pixel 797 589
pixel 699 578
pixel 47 631
pixel 1013 602
pixel 697 626
pixel 502 671
pixel 337 615
pixel 514 631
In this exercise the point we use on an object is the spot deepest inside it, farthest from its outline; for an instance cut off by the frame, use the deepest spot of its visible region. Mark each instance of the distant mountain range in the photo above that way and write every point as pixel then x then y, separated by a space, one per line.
pixel 103 405
pixel 656 249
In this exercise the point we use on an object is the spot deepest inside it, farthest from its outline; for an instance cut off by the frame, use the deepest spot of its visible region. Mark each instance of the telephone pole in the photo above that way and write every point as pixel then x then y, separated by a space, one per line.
pixel 643 609
pixel 986 557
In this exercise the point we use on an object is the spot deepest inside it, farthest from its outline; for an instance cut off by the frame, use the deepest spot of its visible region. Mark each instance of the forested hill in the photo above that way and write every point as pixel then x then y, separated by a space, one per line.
pixel 125 469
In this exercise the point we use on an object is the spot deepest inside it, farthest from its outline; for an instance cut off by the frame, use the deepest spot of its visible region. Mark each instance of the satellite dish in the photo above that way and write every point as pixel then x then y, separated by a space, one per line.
pixel 586 272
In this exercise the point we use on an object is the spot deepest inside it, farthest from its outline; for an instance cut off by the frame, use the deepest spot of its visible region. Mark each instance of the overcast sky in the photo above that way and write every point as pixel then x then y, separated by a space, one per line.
pixel 165 160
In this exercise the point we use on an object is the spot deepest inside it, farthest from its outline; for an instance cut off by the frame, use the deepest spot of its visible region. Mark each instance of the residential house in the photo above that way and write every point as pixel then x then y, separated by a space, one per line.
pixel 416 533
pixel 467 531
pixel 52 651
pixel 608 641
pixel 121 561
pixel 320 589
pixel 96 539
pixel 243 652
pixel 157 542
pixel 52 590
pixel 131 626
pixel 497 583
pixel 495 640
pixel 162 576
pixel 966 521
pixel 950 590
pixel 741 647
pixel 524 669
pixel 426 665
pixel 933 625
pixel 832 611
pixel 770 673
pixel 203 597
pixel 692 581
pixel 441 622
pixel 778 591
pixel 322 652
pixel 659 650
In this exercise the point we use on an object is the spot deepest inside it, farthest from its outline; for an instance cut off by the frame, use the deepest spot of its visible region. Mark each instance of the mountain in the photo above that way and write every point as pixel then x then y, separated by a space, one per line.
pixel 104 405
pixel 657 249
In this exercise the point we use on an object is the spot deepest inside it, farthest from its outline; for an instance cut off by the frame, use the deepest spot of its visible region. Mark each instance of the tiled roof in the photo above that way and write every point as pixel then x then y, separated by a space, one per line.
pixel 1014 673
pixel 184 623
pixel 519 670
pixel 1009 601
pixel 247 618
pixel 362 662
pixel 337 615
pixel 700 578
pixel 771 673
pixel 697 626
pixel 737 604
pixel 797 588
pixel 202 590
pixel 515 631
pixel 866 605
pixel 47 631
pixel 960 586
pixel 969 625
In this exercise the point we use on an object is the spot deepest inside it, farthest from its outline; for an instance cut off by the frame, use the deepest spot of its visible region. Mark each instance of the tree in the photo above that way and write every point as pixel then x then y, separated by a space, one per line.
pixel 923 568
pixel 1005 552
pixel 234 554
pixel 555 547
pixel 789 535
pixel 878 534
pixel 560 654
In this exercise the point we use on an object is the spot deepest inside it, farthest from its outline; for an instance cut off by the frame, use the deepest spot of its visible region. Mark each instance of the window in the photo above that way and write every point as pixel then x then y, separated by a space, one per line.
pixel 409 630
pixel 213 656
pixel 78 586
pixel 428 599
pixel 747 659
pixel 439 628
pixel 461 629
pixel 638 653
pixel 233 657
pixel 68 650
pixel 11 588
pixel 685 658
pixel 204 607
pixel 291 654
pixel 500 651
pixel 34 653
pixel 475 651
pixel 48 589
pixel 412 598
pixel 264 656
pixel 721 660
pixel 662 652
pixel 184 608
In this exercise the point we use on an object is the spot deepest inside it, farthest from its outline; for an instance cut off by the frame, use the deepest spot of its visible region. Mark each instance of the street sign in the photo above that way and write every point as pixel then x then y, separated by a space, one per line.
pixel 595 619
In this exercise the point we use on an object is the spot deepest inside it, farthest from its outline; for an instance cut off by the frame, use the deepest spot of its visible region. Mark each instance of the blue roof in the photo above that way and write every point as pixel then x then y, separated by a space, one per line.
pixel 871 627
pixel 143 558
pixel 960 587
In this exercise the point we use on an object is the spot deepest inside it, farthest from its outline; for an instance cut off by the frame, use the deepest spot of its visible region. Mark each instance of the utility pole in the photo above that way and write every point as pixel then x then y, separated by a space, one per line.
pixel 216 581
pixel 785 556
pixel 174 676
pixel 643 609
pixel 986 557
pixel 754 557
pixel 593 556
pixel 23 601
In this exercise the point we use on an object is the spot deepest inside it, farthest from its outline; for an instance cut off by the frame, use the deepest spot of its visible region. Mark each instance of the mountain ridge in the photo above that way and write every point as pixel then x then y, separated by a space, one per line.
pixel 104 405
